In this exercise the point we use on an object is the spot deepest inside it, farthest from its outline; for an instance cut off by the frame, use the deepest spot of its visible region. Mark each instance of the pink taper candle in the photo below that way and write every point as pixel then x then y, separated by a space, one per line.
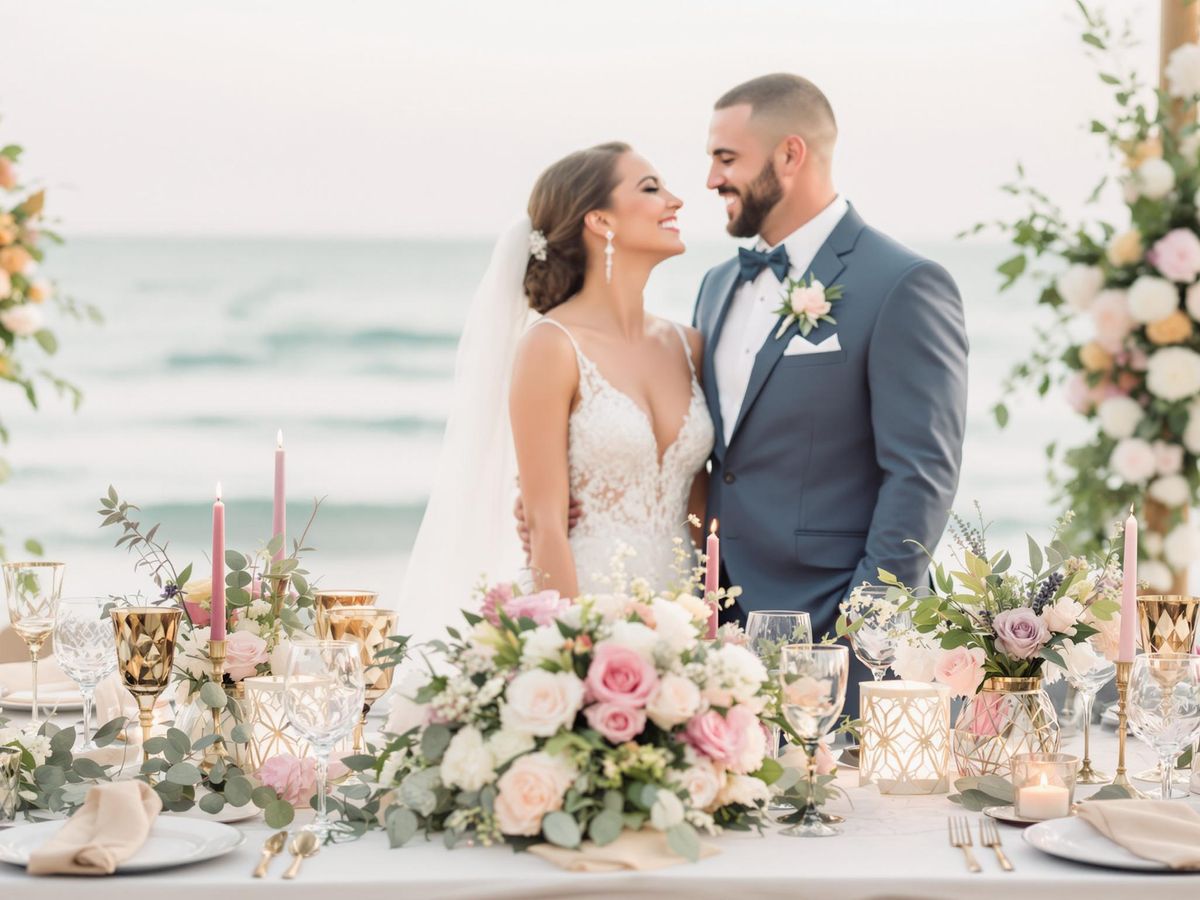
pixel 1129 592
pixel 279 519
pixel 712 576
pixel 218 569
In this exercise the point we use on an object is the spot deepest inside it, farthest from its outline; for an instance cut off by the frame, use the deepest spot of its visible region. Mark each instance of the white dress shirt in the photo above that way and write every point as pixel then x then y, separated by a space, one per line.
pixel 752 319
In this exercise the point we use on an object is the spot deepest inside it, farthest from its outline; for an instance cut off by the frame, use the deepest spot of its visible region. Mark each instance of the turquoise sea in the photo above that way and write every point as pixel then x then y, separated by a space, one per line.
pixel 212 345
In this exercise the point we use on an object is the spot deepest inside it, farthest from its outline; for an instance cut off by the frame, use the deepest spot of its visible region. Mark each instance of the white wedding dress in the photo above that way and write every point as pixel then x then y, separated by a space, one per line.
pixel 631 499
pixel 630 496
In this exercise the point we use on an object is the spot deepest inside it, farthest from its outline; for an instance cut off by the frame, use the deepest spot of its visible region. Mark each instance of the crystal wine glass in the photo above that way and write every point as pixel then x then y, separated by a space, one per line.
pixel 768 631
pixel 1164 705
pixel 877 625
pixel 83 647
pixel 813 683
pixel 1087 685
pixel 323 698
pixel 33 590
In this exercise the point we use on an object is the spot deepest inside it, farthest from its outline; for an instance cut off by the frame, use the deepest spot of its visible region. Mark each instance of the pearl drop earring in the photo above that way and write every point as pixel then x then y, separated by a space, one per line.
pixel 608 256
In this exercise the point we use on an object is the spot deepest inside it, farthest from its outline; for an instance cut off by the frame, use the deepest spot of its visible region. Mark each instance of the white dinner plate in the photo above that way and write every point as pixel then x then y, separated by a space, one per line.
pixel 173 841
pixel 1076 840
pixel 66 701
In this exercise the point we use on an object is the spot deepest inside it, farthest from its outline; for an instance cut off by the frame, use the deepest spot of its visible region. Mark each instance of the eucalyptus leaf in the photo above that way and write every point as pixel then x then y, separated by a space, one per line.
pixel 184 773
pixel 561 829
pixel 49 777
pixel 279 814
pixel 683 840
pixel 263 796
pixel 108 732
pixel 62 741
pixel 88 768
pixel 606 827
pixel 212 803
pixel 238 790
pixel 242 733
pixel 213 696
pixel 434 742
pixel 402 824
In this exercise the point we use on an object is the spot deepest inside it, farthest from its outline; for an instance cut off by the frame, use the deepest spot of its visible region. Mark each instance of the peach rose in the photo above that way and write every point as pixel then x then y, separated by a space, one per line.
pixel 1095 358
pixel 39 291
pixel 674 701
pixel 16 260
pixel 1125 249
pixel 8 174
pixel 5 284
pixel 1174 329
pixel 533 786
pixel 960 669
pixel 810 301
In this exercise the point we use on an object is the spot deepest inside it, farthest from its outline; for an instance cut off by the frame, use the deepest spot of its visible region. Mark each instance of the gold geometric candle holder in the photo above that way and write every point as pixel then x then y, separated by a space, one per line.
pixel 905 737
pixel 272 733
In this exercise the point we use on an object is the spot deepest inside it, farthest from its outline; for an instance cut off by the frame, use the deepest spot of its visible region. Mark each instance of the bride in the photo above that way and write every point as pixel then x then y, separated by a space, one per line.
pixel 565 385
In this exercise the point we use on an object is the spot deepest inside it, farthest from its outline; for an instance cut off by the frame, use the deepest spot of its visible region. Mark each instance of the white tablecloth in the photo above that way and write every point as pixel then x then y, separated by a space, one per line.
pixel 893 847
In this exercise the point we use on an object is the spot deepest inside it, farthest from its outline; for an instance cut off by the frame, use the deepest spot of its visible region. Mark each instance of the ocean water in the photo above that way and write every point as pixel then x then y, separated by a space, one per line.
pixel 212 345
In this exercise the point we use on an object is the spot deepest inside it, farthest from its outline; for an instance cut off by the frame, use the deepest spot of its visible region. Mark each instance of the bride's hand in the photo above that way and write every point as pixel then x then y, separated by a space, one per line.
pixel 574 514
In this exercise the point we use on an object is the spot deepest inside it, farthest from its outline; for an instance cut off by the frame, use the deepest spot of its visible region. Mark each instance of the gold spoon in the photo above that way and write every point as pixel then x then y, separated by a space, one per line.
pixel 303 845
pixel 272 847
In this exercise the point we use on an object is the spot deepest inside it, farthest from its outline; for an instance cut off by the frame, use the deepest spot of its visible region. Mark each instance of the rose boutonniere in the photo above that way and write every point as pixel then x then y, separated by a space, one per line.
pixel 808 302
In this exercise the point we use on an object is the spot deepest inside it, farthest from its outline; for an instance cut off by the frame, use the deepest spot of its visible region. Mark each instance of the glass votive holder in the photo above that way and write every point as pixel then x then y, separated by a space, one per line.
pixel 1043 785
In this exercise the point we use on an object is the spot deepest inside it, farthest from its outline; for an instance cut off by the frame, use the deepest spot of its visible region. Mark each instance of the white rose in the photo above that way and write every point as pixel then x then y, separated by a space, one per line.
pixel 666 811
pixel 637 637
pixel 248 625
pixel 1080 657
pixel 280 657
pixel 467 762
pixel 506 745
pixel 1170 490
pixel 1152 298
pixel 1063 615
pixel 1173 373
pixel 1079 285
pixel 1119 416
pixel 191 655
pixel 539 703
pixel 1169 457
pixel 753 749
pixel 697 607
pixel 572 616
pixel 258 609
pixel 701 779
pixel 915 660
pixel 543 643
pixel 674 701
pixel 23 320
pixel 609 606
pixel 1183 71
pixel 1181 547
pixel 673 624
pixel 744 789
pixel 1133 460
pixel 1155 575
pixel 735 675
pixel 1155 178
pixel 1152 544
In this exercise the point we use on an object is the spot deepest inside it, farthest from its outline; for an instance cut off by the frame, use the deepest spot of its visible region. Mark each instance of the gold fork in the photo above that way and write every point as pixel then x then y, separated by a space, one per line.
pixel 960 836
pixel 989 836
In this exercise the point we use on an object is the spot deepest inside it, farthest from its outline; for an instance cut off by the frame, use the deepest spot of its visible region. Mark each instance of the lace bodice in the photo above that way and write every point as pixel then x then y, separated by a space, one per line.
pixel 629 495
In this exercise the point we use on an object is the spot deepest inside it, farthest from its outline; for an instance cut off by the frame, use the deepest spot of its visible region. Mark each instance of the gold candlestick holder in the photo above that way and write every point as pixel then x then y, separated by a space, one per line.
pixel 1121 779
pixel 216 752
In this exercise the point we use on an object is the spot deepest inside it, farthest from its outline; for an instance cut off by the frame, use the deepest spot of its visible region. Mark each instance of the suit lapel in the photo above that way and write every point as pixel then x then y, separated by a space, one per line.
pixel 724 288
pixel 827 266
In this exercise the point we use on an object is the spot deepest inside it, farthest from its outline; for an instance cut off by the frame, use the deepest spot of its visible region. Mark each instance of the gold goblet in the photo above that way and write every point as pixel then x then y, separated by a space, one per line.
pixel 145 638
pixel 370 628
pixel 33 590
pixel 1166 624
pixel 327 600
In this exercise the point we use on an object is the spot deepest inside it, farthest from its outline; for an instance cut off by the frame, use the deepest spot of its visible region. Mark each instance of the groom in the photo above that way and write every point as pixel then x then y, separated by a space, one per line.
pixel 837 448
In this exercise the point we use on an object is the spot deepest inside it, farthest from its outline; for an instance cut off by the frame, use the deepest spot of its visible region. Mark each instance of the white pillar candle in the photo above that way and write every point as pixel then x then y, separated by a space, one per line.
pixel 1043 800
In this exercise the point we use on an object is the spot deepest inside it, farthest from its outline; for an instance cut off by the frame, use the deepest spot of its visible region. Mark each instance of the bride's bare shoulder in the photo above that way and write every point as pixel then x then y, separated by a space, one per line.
pixel 546 350
pixel 667 331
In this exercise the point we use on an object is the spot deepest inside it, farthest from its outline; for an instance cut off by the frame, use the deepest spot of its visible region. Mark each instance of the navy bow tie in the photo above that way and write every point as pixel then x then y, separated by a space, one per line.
pixel 752 262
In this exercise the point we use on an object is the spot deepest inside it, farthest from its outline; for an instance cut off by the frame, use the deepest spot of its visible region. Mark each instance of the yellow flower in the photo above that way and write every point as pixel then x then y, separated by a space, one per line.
pixel 1136 154
pixel 1174 329
pixel 15 259
pixel 5 367
pixel 1126 248
pixel 1095 358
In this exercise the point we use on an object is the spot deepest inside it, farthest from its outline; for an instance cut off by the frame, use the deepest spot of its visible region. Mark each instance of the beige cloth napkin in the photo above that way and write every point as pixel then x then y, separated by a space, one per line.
pixel 17 678
pixel 108 829
pixel 633 851
pixel 1161 830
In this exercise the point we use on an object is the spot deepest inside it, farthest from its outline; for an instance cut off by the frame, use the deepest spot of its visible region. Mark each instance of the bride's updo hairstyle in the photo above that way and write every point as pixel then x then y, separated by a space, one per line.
pixel 563 195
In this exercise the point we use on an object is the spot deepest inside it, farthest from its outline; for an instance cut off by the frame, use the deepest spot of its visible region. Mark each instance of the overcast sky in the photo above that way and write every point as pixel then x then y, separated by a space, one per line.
pixel 433 118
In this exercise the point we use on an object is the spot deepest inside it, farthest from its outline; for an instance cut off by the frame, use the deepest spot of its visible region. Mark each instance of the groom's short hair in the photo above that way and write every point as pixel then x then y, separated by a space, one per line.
pixel 789 104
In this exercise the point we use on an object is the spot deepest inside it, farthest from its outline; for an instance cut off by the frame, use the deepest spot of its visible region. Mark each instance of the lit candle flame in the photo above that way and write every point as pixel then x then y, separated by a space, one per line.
pixel 712 528
pixel 218 490
pixel 1044 782
pixel 279 439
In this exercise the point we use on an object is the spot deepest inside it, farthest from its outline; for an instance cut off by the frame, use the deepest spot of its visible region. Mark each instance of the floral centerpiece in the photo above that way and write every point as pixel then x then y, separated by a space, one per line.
pixel 552 720
pixel 1125 298
pixel 993 634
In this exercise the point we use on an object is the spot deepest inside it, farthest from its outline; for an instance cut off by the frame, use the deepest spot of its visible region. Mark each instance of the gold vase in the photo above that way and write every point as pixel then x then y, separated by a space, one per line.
pixel 145 637
pixel 1008 716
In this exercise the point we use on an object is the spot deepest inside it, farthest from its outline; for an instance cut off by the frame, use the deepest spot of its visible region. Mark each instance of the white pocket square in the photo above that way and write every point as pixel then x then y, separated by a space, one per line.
pixel 798 346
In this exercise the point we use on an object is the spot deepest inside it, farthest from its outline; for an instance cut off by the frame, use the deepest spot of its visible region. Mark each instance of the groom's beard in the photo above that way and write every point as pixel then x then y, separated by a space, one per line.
pixel 758 199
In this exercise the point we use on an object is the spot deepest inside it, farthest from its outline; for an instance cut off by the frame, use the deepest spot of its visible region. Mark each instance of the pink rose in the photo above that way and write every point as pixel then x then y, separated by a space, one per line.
pixel 620 674
pixel 810 301
pixel 295 780
pixel 1020 633
pixel 961 670
pixel 533 786
pixel 244 653
pixel 1110 314
pixel 542 607
pixel 1177 255
pixel 988 714
pixel 616 722
pixel 730 740
pixel 795 757
pixel 1168 458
